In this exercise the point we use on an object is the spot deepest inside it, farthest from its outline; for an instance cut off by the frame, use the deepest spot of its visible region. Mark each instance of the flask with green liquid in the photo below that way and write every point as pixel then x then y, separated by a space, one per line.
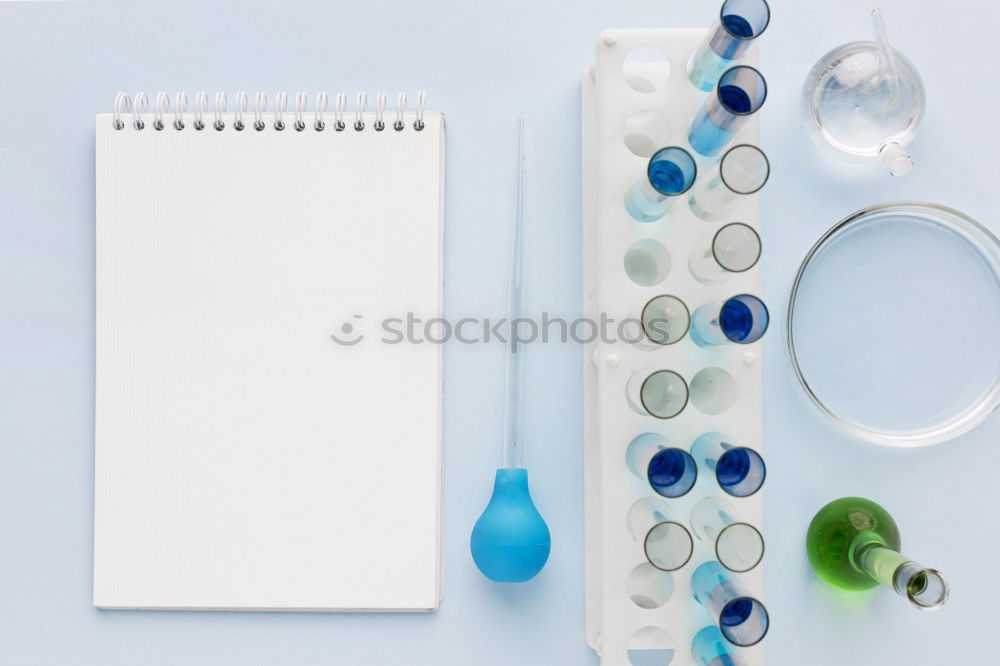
pixel 853 544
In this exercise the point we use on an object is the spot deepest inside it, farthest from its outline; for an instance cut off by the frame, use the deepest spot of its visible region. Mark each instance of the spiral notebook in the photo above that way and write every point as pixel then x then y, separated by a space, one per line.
pixel 261 443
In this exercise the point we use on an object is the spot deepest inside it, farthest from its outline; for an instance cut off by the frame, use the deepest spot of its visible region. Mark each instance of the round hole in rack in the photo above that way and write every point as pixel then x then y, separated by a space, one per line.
pixel 647 262
pixel 651 646
pixel 646 69
pixel 648 587
pixel 646 132
pixel 713 391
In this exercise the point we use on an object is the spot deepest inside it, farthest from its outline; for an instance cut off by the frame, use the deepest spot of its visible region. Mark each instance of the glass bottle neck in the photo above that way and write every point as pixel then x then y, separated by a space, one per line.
pixel 925 588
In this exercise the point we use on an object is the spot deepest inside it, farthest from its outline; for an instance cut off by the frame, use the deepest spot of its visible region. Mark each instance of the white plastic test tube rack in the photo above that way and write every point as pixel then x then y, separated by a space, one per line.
pixel 630 110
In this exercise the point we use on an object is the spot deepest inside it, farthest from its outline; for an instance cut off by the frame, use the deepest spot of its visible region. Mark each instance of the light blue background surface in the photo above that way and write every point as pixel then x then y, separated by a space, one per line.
pixel 484 63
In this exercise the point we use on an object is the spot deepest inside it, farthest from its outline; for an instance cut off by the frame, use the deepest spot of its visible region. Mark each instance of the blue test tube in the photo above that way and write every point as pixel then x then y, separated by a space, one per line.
pixel 739 470
pixel 740 22
pixel 741 91
pixel 741 618
pixel 671 171
pixel 742 319
pixel 710 648
pixel 670 471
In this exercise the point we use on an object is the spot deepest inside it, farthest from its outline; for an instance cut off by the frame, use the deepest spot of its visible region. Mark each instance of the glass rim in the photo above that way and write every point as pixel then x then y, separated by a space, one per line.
pixel 767 163
pixel 690 541
pixel 760 245
pixel 755 602
pixel 753 453
pixel 688 458
pixel 642 399
pixel 739 524
pixel 767 323
pixel 718 90
pixel 739 37
pixel 694 168
pixel 642 324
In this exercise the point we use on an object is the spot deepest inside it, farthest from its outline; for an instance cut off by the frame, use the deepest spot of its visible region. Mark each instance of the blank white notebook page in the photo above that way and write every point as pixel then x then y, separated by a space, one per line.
pixel 244 458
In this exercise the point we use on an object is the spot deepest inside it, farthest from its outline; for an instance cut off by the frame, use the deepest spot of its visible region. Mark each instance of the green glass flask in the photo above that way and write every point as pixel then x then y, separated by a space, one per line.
pixel 853 544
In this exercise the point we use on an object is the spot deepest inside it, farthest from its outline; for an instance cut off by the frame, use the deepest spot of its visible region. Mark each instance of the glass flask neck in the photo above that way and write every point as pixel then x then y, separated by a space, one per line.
pixel 927 589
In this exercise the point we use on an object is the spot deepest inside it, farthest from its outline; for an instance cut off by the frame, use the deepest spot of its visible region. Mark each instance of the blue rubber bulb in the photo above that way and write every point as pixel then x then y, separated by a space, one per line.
pixel 510 542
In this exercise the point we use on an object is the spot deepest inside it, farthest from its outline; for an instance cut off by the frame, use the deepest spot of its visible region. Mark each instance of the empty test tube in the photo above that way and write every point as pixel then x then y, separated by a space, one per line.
pixel 738 545
pixel 741 618
pixel 742 171
pixel 670 471
pixel 734 248
pixel 739 470
pixel 670 172
pixel 739 94
pixel 663 320
pixel 742 320
pixel 710 648
pixel 740 22
pixel 666 542
pixel 659 393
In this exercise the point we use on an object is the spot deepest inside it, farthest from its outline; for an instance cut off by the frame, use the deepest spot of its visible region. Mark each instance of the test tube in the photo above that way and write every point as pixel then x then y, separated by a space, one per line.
pixel 734 248
pixel 659 393
pixel 663 320
pixel 739 470
pixel 743 170
pixel 739 94
pixel 740 22
pixel 741 618
pixel 710 648
pixel 738 545
pixel 670 471
pixel 667 544
pixel 742 319
pixel 671 172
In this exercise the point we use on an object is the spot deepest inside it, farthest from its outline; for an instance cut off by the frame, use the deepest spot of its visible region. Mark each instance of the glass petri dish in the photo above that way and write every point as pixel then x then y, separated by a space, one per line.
pixel 893 324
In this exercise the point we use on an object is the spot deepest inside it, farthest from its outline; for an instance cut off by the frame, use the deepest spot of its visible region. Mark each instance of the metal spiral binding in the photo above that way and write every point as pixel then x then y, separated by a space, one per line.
pixel 138 106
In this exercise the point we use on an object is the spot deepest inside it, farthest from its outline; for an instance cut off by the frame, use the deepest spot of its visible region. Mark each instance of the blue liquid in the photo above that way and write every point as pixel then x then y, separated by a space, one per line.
pixel 642 209
pixel 736 613
pixel 735 99
pixel 740 323
pixel 732 467
pixel 710 648
pixel 672 472
pixel 667 177
pixel 737 26
pixel 706 138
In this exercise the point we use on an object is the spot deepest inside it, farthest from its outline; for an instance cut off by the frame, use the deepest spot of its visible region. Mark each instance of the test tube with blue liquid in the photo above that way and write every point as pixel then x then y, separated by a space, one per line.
pixel 739 470
pixel 670 471
pixel 710 648
pixel 742 320
pixel 740 23
pixel 740 93
pixel 671 171
pixel 666 542
pixel 741 618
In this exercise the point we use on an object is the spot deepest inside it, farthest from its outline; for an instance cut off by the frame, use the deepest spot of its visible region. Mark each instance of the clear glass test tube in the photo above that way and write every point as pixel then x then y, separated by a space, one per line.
pixel 740 22
pixel 742 319
pixel 739 546
pixel 743 170
pixel 739 470
pixel 659 393
pixel 670 471
pixel 663 320
pixel 710 648
pixel 734 248
pixel 741 618
pixel 671 171
pixel 667 543
pixel 739 94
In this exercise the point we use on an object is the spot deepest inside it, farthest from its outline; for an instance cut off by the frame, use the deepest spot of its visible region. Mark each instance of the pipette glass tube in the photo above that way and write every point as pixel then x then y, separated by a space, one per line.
pixel 670 471
pixel 663 320
pixel 667 543
pixel 670 172
pixel 735 248
pixel 741 618
pixel 742 320
pixel 710 648
pixel 738 545
pixel 739 470
pixel 743 170
pixel 659 393
pixel 739 94
pixel 740 22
